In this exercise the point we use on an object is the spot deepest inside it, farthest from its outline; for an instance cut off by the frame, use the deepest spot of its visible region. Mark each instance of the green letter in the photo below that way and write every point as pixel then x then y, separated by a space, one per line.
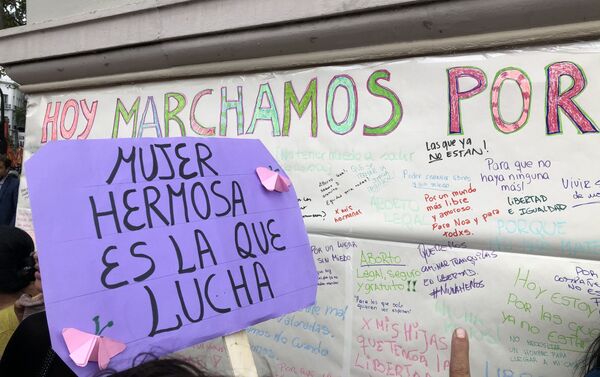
pixel 265 113
pixel 121 111
pixel 349 121
pixel 381 91
pixel 227 105
pixel 290 99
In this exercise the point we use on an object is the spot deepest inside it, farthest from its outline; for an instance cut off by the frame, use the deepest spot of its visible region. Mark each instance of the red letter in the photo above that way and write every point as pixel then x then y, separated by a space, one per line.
pixel 524 84
pixel 556 99
pixel 197 127
pixel 50 120
pixel 89 115
pixel 455 95
pixel 64 132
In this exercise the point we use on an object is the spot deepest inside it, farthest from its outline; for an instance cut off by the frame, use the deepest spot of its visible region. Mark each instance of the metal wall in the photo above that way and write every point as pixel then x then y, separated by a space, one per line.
pixel 149 40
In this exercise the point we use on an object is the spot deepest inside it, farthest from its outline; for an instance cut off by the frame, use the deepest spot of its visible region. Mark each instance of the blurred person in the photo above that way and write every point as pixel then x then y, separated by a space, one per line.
pixel 17 276
pixel 29 304
pixel 589 365
pixel 9 192
pixel 29 352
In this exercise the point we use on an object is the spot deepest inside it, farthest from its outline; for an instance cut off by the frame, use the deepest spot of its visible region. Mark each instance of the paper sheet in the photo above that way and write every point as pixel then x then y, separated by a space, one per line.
pixel 488 155
pixel 170 251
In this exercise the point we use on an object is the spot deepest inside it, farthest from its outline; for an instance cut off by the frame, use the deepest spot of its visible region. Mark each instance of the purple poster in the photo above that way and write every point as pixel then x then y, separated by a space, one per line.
pixel 164 243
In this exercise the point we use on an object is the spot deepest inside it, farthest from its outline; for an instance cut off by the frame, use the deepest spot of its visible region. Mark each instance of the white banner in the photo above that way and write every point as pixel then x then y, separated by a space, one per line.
pixel 438 193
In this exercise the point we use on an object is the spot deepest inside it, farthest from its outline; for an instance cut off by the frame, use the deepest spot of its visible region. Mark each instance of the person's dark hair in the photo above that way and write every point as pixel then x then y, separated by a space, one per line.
pixel 148 365
pixel 28 352
pixel 16 262
pixel 591 360
pixel 5 160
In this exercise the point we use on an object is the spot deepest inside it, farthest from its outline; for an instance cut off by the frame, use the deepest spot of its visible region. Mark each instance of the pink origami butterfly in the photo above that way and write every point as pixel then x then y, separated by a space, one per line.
pixel 84 347
pixel 272 180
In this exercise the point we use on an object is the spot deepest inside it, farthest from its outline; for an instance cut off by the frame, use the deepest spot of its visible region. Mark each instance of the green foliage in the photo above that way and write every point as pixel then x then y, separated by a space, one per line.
pixel 13 13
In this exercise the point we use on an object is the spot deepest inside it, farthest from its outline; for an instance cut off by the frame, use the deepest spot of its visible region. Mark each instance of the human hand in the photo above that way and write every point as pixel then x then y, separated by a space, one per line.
pixel 459 354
